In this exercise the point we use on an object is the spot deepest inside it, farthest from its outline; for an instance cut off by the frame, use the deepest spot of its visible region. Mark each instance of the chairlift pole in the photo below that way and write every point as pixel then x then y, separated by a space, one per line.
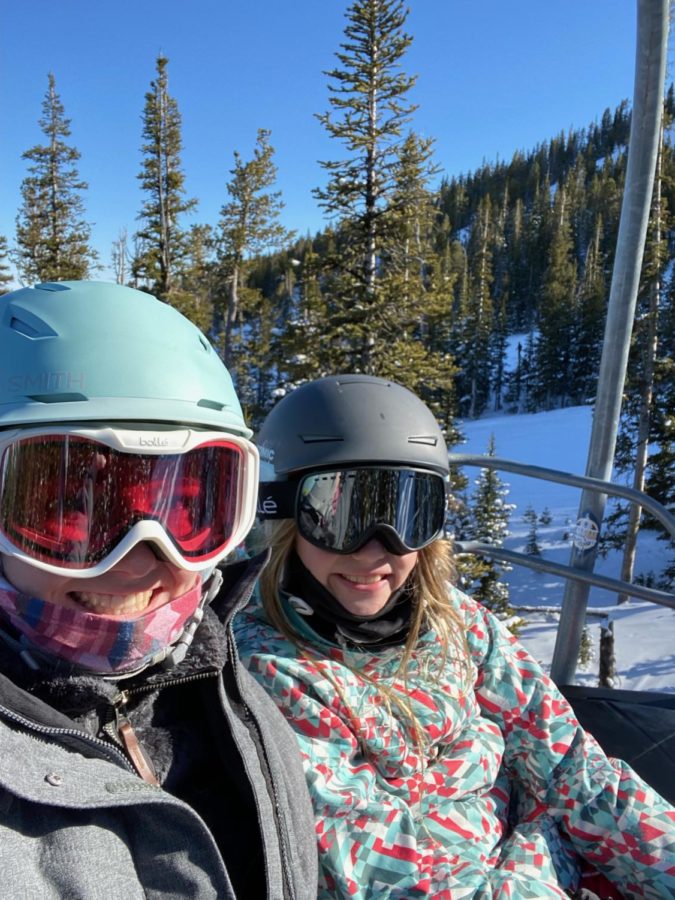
pixel 650 69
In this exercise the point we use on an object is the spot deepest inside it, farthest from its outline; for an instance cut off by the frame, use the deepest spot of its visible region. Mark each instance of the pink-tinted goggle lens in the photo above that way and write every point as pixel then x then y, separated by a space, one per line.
pixel 70 500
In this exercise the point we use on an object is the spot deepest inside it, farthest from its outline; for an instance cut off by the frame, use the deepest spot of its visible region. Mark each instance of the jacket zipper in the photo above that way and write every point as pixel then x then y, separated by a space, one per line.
pixel 38 729
pixel 120 730
pixel 263 748
pixel 233 656
pixel 122 698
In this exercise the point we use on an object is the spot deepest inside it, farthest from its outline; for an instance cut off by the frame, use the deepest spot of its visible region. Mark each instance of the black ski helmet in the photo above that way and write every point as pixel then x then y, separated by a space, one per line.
pixel 349 420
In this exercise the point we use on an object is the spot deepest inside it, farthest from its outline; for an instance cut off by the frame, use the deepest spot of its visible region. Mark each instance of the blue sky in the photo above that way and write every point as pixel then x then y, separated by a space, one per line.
pixel 493 77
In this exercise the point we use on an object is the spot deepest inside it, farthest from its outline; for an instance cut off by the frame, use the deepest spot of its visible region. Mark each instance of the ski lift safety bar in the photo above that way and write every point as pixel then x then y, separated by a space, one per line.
pixel 584 482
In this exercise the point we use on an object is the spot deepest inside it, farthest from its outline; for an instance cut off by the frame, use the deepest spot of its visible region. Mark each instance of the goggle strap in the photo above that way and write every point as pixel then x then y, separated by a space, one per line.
pixel 276 500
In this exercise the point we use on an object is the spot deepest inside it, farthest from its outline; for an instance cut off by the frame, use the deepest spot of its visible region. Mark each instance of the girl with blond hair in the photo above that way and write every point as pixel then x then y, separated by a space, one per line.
pixel 441 760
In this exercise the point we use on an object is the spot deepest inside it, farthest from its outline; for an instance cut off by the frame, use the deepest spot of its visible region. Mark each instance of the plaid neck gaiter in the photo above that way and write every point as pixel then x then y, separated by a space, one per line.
pixel 101 644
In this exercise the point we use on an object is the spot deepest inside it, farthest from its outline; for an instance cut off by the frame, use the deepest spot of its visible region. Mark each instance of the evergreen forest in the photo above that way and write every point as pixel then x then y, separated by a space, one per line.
pixel 419 275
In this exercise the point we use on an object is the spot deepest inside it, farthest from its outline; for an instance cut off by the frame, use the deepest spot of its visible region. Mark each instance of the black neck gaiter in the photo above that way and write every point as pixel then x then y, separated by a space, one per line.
pixel 388 628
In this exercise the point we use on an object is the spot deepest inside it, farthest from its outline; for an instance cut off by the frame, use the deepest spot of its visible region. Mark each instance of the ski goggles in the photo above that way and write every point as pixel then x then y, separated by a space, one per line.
pixel 342 510
pixel 79 499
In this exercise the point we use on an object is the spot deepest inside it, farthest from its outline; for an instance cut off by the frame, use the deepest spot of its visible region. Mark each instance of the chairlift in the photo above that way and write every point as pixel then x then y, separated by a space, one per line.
pixel 636 726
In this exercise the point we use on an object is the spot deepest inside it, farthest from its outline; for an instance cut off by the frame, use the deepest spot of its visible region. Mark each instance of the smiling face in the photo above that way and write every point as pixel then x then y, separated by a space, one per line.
pixel 362 582
pixel 138 582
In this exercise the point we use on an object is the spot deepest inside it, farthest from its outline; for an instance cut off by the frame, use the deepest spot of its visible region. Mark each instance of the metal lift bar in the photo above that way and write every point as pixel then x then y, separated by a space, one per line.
pixel 568 571
pixel 582 481
pixel 589 578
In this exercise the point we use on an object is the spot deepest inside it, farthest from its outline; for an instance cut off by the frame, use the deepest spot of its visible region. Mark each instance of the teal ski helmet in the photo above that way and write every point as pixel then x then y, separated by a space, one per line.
pixel 106 363
pixel 77 351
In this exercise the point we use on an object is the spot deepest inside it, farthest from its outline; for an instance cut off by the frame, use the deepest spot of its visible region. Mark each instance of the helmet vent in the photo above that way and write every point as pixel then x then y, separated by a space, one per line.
pixel 23 328
pixel 29 325
pixel 57 398
pixel 52 286
pixel 320 438
pixel 428 439
pixel 211 404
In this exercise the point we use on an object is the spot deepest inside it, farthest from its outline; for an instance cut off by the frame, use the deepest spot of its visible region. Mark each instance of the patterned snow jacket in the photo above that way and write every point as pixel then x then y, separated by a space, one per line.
pixel 507 798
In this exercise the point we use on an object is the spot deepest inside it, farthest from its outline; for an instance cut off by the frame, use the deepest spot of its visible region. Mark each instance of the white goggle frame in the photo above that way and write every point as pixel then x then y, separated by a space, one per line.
pixel 150 440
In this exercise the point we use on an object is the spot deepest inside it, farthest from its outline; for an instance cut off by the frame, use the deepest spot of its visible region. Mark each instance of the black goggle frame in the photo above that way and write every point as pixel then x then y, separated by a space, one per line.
pixel 341 509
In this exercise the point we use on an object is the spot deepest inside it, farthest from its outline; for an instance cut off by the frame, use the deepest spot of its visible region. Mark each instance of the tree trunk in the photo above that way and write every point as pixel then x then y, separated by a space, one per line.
pixel 231 314
pixel 120 256
pixel 607 666
pixel 163 181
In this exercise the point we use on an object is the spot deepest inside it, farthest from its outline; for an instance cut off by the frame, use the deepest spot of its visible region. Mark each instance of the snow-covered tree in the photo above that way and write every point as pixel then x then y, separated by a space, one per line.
pixel 489 524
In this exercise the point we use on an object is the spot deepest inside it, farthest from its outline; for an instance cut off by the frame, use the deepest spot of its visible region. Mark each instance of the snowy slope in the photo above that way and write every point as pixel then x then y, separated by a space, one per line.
pixel 644 632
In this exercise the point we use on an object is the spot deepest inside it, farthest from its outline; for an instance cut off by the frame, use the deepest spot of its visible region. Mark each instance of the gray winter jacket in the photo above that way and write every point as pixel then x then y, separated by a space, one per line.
pixel 76 821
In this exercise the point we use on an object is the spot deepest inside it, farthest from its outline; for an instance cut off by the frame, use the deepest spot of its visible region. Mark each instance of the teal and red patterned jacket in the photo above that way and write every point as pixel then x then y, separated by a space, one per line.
pixel 507 798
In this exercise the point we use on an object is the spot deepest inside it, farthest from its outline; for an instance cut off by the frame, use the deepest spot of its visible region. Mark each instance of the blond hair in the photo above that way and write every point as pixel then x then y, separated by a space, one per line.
pixel 430 582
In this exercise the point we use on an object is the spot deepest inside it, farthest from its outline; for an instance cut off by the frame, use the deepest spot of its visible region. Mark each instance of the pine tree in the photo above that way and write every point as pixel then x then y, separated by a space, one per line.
pixel 5 274
pixel 413 302
pixel 162 243
pixel 538 228
pixel 532 545
pixel 515 382
pixel 589 322
pixel 647 411
pixel 586 649
pixel 528 380
pixel 120 257
pixel 368 97
pixel 300 343
pixel 501 296
pixel 556 314
pixel 519 309
pixel 497 350
pixel 545 517
pixel 249 223
pixel 198 277
pixel 477 315
pixel 407 256
pixel 660 481
pixel 490 525
pixel 52 238
pixel 646 336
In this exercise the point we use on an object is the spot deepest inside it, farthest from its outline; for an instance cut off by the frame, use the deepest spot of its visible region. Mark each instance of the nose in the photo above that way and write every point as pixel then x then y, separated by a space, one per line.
pixel 139 561
pixel 374 549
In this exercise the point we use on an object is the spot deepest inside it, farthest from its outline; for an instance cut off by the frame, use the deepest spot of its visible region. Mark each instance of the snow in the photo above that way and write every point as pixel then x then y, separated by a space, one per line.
pixel 513 342
pixel 644 632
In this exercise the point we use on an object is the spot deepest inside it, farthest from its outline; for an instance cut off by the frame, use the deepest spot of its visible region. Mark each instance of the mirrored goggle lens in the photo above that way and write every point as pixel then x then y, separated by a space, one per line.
pixel 70 500
pixel 338 510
